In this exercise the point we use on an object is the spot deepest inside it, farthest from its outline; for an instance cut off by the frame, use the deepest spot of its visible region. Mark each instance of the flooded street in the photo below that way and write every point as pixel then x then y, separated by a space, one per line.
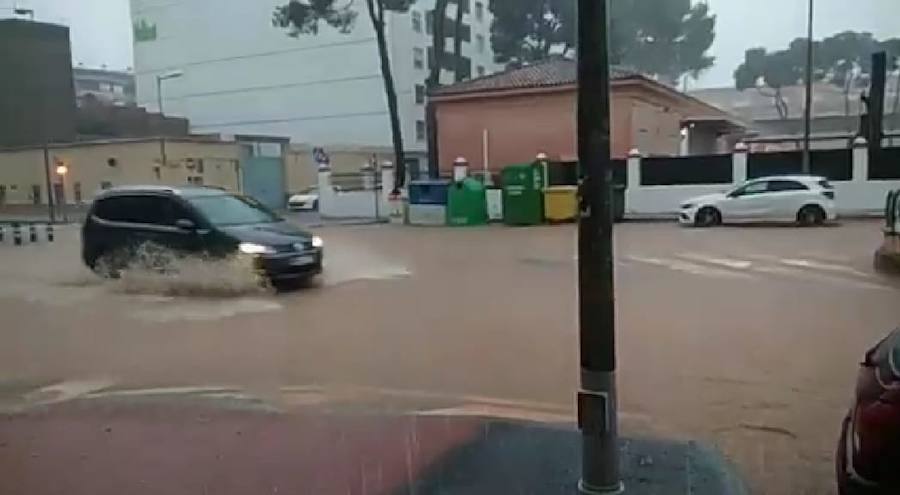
pixel 747 339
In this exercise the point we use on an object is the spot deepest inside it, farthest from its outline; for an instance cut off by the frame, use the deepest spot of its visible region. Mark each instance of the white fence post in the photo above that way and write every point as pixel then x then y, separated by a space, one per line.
pixel 368 177
pixel 634 169
pixel 392 207
pixel 860 160
pixel 326 191
pixel 739 163
pixel 633 182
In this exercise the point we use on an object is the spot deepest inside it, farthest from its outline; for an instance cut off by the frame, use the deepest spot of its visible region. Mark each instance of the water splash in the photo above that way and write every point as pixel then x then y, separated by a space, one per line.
pixel 156 270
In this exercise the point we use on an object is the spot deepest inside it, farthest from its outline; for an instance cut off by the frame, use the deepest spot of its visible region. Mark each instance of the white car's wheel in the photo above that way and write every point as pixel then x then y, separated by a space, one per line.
pixel 707 217
pixel 811 215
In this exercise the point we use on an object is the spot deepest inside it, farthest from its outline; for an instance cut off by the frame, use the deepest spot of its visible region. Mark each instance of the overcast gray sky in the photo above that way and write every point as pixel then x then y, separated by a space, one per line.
pixel 101 32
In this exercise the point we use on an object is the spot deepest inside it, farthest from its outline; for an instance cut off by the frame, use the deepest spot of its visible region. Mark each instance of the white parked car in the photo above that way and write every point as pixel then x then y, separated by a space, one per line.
pixel 305 201
pixel 804 199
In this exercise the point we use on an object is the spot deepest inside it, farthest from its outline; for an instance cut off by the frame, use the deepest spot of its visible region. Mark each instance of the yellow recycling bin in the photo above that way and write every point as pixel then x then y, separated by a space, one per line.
pixel 560 203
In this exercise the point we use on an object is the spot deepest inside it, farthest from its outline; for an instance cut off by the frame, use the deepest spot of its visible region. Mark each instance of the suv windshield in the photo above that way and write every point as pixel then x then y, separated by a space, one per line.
pixel 228 209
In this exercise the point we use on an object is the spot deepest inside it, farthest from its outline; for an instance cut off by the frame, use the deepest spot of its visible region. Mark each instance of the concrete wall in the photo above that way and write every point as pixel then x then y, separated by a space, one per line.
pixel 136 162
pixel 524 123
pixel 369 203
pixel 854 197
pixel 302 171
pixel 519 127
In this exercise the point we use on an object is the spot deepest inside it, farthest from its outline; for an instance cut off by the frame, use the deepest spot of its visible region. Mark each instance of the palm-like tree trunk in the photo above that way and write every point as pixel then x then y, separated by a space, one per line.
pixel 376 15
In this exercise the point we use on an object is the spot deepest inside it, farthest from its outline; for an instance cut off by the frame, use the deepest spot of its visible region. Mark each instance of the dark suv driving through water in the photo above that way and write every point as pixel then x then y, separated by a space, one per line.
pixel 196 220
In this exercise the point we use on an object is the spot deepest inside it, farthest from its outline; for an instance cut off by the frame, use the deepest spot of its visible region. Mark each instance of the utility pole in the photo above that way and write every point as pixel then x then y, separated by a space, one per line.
pixel 51 211
pixel 596 304
pixel 807 110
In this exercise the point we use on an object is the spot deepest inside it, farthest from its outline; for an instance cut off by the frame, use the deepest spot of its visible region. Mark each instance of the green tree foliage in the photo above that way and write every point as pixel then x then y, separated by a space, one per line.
pixel 844 60
pixel 304 17
pixel 665 38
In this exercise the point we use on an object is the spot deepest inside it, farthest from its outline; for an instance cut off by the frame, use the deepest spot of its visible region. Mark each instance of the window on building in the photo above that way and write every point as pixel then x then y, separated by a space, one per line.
pixel 76 191
pixel 105 87
pixel 36 194
pixel 479 43
pixel 118 89
pixel 429 22
pixel 105 185
pixel 2 194
pixel 420 94
pixel 416 21
pixel 479 11
pixel 418 58
pixel 420 130
pixel 480 70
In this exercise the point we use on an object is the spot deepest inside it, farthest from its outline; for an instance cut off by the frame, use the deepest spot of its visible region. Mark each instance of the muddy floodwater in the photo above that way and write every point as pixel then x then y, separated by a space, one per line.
pixel 747 339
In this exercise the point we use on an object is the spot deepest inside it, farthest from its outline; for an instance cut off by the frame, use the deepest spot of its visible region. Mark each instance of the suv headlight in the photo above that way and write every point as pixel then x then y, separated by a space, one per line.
pixel 317 242
pixel 254 248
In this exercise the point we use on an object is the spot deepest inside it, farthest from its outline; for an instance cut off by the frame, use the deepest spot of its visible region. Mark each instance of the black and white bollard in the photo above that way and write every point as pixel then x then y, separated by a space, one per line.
pixel 17 234
pixel 32 233
pixel 50 235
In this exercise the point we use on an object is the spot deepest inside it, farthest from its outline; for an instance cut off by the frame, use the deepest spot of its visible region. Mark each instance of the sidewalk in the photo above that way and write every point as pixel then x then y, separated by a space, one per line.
pixel 186 446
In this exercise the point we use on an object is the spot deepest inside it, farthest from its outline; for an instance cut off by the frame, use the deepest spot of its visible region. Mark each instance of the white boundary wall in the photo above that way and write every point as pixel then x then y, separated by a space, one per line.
pixel 858 196
pixel 356 204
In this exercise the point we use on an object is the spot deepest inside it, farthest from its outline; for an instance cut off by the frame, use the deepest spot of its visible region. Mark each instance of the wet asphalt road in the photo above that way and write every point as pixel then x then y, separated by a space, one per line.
pixel 744 337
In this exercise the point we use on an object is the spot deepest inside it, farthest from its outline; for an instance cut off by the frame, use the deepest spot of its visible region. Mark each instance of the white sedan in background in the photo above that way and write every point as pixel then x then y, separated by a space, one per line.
pixel 308 200
pixel 804 199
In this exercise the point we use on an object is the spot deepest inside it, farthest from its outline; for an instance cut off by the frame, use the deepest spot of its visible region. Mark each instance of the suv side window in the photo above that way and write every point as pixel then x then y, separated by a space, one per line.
pixel 786 185
pixel 149 210
pixel 751 189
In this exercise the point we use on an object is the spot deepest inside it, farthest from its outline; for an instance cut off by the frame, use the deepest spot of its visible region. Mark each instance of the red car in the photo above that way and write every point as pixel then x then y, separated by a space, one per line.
pixel 868 456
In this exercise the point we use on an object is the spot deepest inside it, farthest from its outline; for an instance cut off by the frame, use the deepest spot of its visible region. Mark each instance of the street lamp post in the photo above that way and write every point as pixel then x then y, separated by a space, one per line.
pixel 807 111
pixel 61 171
pixel 159 101
pixel 159 80
pixel 596 304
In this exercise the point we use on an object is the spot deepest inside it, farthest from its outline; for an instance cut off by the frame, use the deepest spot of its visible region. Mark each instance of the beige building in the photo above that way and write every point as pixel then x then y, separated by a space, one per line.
pixel 345 161
pixel 94 166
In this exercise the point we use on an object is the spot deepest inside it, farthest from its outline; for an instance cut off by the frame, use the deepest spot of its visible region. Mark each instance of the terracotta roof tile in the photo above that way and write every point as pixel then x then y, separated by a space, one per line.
pixel 556 72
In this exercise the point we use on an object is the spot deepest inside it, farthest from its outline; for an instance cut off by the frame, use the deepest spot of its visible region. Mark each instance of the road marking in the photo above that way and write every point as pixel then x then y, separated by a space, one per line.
pixel 811 275
pixel 692 268
pixel 726 262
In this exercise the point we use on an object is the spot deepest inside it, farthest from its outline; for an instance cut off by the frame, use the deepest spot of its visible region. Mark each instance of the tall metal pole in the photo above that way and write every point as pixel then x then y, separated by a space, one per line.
pixel 159 98
pixel 50 202
pixel 807 110
pixel 597 398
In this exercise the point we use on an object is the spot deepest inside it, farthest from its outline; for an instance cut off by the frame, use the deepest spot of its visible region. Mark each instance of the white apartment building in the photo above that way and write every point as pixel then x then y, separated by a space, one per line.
pixel 242 75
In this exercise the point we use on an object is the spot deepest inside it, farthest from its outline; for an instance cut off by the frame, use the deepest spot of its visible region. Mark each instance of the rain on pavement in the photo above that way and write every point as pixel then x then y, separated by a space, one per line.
pixel 746 338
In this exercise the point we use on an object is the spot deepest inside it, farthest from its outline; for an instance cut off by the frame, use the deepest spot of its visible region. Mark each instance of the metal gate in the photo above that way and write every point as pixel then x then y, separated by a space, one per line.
pixel 262 173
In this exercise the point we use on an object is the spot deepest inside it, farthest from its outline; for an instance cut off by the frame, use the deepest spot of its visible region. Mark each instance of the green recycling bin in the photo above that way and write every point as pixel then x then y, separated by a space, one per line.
pixel 467 203
pixel 523 196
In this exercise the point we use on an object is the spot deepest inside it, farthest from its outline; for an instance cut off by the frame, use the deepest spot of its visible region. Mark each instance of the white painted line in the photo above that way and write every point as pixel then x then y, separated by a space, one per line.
pixel 829 267
pixel 726 262
pixel 811 276
pixel 692 268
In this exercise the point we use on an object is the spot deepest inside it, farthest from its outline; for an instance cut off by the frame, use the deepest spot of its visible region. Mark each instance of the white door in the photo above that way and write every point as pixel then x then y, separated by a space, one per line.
pixel 787 197
pixel 746 203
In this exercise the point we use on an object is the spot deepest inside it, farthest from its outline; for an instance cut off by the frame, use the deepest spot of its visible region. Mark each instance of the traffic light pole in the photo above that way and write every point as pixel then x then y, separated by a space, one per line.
pixel 596 303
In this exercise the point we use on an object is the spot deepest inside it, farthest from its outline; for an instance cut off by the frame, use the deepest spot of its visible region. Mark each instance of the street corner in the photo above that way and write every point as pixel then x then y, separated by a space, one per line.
pixel 197 442
pixel 526 457
pixel 213 440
